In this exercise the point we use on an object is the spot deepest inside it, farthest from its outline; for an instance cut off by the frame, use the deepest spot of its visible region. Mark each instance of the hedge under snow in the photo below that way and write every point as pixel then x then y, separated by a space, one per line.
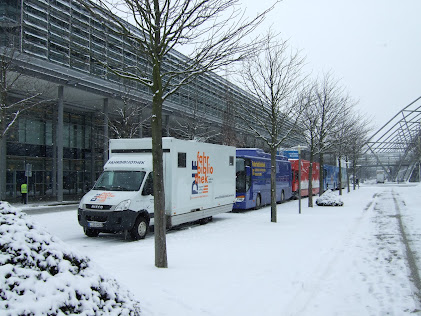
pixel 329 198
pixel 39 275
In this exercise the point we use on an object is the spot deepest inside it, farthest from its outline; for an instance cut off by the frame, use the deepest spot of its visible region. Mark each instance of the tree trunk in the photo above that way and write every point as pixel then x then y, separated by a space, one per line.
pixel 310 181
pixel 3 98
pixel 158 172
pixel 321 187
pixel 340 176
pixel 158 181
pixel 2 168
pixel 273 185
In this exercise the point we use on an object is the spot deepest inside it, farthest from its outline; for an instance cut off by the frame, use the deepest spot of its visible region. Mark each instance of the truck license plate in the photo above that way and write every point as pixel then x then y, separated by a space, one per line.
pixel 95 224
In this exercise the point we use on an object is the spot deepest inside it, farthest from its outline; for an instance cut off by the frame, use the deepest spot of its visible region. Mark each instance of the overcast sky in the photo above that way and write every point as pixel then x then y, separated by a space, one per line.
pixel 373 46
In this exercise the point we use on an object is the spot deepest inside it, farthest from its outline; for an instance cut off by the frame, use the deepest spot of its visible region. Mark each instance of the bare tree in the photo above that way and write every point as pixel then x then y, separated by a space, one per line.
pixel 358 135
pixel 308 123
pixel 341 133
pixel 193 125
pixel 329 104
pixel 11 108
pixel 127 120
pixel 162 25
pixel 273 78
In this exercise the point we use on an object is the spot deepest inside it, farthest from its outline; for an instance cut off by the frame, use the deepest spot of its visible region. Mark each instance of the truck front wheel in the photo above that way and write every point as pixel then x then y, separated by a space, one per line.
pixel 140 228
pixel 91 232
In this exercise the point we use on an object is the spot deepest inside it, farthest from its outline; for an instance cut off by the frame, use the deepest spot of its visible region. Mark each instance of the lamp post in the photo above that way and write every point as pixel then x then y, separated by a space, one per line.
pixel 299 148
pixel 347 174
pixel 299 179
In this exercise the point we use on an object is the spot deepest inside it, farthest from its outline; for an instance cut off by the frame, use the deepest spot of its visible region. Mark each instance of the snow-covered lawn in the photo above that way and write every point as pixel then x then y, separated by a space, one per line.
pixel 347 260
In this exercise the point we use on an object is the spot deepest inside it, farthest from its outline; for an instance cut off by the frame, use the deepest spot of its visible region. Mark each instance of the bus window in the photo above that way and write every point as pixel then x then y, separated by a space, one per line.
pixel 242 179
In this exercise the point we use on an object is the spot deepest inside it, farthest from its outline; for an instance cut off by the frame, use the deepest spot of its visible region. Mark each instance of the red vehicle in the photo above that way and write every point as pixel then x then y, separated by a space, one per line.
pixel 305 168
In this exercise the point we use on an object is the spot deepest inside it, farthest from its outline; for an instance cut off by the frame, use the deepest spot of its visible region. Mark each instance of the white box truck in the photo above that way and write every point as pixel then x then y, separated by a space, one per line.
pixel 380 176
pixel 199 182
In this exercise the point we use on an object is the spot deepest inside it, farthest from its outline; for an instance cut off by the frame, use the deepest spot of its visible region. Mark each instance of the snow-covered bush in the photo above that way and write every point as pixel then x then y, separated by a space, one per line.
pixel 40 276
pixel 329 198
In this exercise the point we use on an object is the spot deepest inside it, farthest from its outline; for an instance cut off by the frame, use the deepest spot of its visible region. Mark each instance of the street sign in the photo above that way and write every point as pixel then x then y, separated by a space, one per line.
pixel 291 154
pixel 28 170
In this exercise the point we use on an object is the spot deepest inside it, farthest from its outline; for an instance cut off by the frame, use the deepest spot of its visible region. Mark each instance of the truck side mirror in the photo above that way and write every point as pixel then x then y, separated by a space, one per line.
pixel 148 187
pixel 147 190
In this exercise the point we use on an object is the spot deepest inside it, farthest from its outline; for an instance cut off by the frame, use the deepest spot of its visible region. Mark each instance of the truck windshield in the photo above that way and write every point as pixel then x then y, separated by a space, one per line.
pixel 120 181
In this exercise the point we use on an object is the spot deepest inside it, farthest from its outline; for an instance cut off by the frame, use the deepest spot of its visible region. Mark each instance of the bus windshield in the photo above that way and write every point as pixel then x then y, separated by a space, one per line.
pixel 120 181
pixel 242 177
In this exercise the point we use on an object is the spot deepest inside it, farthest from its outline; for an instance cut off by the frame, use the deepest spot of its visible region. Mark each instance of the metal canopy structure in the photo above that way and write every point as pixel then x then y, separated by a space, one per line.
pixel 395 147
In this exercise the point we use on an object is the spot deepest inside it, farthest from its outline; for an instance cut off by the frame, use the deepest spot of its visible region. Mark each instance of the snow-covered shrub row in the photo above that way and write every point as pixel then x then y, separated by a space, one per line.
pixel 329 198
pixel 40 276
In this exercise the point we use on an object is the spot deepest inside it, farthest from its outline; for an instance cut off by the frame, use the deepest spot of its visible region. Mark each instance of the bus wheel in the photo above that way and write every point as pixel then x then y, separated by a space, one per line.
pixel 140 228
pixel 258 201
pixel 91 232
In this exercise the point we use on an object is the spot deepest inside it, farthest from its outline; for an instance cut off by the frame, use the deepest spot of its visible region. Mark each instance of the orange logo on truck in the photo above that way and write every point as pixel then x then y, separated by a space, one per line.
pixel 102 197
pixel 203 170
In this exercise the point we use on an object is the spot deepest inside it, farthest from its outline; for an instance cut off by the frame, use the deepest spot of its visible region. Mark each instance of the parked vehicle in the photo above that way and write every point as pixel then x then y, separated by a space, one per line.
pixel 199 182
pixel 330 177
pixel 305 169
pixel 380 176
pixel 253 178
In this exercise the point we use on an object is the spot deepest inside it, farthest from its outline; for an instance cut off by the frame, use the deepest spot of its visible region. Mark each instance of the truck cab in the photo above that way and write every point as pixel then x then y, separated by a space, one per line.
pixel 121 199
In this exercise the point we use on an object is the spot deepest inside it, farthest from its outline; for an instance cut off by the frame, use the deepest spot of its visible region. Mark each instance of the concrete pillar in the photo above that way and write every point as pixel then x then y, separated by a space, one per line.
pixel 59 140
pixel 93 174
pixel 54 153
pixel 105 110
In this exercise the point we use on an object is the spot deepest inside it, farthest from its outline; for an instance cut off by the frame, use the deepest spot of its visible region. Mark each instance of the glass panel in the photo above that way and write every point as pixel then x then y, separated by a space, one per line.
pixel 35 132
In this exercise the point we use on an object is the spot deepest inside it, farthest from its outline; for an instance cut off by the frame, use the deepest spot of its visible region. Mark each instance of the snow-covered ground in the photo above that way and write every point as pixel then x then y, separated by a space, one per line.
pixel 348 260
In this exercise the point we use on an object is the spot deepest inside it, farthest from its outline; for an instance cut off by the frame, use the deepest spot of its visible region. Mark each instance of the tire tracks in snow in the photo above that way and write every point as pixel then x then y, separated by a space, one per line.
pixel 303 297
pixel 410 255
pixel 391 277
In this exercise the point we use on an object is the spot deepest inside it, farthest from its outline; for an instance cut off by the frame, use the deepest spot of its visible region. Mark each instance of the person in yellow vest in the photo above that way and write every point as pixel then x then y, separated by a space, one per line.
pixel 24 192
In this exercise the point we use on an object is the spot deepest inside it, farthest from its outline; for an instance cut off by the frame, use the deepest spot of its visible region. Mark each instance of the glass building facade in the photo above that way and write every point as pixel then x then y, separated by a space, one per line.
pixel 60 45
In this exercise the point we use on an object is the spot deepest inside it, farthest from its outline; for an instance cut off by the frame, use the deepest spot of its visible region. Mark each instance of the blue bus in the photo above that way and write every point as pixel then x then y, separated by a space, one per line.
pixel 330 177
pixel 253 178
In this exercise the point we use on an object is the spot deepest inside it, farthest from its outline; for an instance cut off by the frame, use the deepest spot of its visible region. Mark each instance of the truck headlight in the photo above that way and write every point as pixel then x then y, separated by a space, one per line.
pixel 123 205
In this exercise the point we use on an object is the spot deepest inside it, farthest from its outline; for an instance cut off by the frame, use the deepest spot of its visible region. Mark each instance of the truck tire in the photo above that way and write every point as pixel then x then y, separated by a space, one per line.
pixel 91 232
pixel 204 221
pixel 140 228
pixel 282 197
pixel 258 201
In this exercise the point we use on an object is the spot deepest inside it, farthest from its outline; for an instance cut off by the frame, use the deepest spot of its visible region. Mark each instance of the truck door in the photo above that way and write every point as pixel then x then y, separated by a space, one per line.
pixel 147 193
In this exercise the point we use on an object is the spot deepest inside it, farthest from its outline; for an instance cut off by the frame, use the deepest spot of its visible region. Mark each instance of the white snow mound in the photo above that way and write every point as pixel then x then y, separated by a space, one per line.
pixel 39 275
pixel 329 198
